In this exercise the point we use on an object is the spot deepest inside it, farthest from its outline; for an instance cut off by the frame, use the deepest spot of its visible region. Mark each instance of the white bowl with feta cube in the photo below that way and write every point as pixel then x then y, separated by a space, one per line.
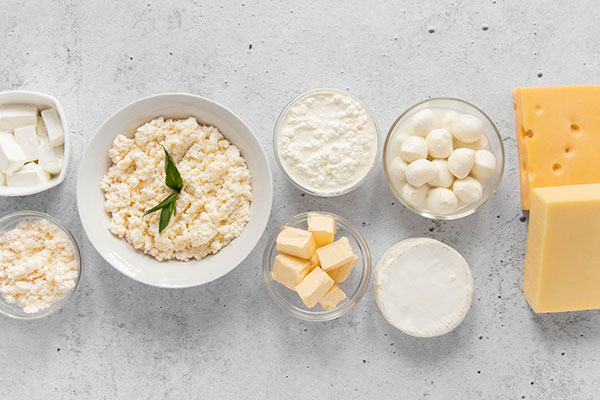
pixel 34 143
pixel 443 158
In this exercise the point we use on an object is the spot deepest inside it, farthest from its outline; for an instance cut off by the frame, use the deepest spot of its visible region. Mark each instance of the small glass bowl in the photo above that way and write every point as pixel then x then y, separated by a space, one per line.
pixel 354 286
pixel 14 310
pixel 496 146
pixel 297 184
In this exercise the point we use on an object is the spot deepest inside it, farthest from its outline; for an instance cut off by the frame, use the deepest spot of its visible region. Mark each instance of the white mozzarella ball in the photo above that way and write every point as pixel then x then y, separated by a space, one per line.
pixel 423 122
pixel 447 119
pixel 413 148
pixel 484 165
pixel 419 172
pixel 441 200
pixel 484 143
pixel 444 178
pixel 415 196
pixel 481 144
pixel 396 143
pixel 467 128
pixel 439 142
pixel 396 169
pixel 461 161
pixel 468 190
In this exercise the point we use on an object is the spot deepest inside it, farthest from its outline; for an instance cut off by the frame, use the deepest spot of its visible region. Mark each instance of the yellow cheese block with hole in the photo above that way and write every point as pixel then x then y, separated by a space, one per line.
pixel 558 136
pixel 562 265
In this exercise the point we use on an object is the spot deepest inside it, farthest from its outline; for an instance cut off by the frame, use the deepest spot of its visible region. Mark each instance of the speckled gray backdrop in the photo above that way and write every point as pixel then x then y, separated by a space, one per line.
pixel 228 339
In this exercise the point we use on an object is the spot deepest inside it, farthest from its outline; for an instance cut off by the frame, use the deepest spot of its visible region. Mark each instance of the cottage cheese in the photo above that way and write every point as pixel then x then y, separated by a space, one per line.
pixel 327 142
pixel 213 206
pixel 38 265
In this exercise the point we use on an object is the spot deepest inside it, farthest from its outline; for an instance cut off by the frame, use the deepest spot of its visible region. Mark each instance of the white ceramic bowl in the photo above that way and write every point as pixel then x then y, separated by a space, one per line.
pixel 120 254
pixel 42 101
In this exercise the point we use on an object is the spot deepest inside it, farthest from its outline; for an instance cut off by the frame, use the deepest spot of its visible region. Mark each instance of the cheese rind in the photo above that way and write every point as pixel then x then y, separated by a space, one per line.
pixel 12 157
pixel 323 228
pixel 290 270
pixel 558 136
pixel 314 287
pixel 562 264
pixel 336 254
pixel 16 115
pixel 56 136
pixel 332 298
pixel 296 242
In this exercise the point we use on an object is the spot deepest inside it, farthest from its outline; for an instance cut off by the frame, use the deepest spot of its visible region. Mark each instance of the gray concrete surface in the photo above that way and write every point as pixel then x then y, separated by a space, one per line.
pixel 120 339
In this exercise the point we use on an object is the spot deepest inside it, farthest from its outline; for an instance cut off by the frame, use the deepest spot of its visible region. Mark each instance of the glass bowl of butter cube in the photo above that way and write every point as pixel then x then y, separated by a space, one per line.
pixel 317 267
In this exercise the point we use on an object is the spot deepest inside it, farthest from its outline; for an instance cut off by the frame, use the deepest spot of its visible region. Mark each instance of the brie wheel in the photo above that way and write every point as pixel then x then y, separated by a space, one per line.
pixel 423 287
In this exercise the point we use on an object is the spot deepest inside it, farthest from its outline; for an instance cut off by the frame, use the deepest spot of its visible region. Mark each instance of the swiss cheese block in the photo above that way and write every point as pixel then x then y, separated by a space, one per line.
pixel 562 265
pixel 558 136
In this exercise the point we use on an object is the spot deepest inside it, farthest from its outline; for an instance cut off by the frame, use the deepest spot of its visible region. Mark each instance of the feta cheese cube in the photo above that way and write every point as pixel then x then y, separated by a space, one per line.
pixel 16 115
pixel 332 298
pixel 50 158
pixel 296 242
pixel 314 287
pixel 322 228
pixel 290 270
pixel 12 157
pixel 26 138
pixel 53 127
pixel 30 175
pixel 41 128
pixel 336 254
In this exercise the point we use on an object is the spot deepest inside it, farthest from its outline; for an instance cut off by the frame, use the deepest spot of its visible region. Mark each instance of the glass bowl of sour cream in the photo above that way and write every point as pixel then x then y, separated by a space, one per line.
pixel 40 265
pixel 354 286
pixel 327 142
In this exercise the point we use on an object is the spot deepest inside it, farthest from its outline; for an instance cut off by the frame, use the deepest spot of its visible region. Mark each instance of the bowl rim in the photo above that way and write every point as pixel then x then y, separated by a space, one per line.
pixel 326 315
pixel 25 214
pixel 425 213
pixel 26 191
pixel 262 225
pixel 278 159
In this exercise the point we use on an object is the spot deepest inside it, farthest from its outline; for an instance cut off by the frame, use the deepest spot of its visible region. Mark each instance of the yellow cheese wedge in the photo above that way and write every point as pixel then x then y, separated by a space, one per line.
pixel 332 298
pixel 296 242
pixel 558 136
pixel 336 254
pixel 323 228
pixel 314 287
pixel 290 270
pixel 562 265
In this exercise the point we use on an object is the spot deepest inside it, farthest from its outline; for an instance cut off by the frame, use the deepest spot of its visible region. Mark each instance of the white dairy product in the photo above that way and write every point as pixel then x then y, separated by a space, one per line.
pixel 419 172
pixel 461 161
pixel 16 115
pixel 467 128
pixel 50 158
pixel 327 142
pixel 40 128
pixel 2 178
pixel 212 208
pixel 54 128
pixel 423 122
pixel 413 148
pixel 12 157
pixel 484 165
pixel 423 287
pixel 38 265
pixel 439 142
pixel 30 175
pixel 442 201
pixel 444 177
pixel 26 137
pixel 397 169
pixel 415 196
pixel 468 190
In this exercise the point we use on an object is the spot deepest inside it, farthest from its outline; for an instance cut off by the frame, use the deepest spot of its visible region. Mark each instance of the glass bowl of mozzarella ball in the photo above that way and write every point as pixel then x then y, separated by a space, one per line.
pixel 443 158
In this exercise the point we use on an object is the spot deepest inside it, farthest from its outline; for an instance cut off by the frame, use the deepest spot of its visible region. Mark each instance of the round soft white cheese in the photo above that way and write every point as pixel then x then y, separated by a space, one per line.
pixel 423 287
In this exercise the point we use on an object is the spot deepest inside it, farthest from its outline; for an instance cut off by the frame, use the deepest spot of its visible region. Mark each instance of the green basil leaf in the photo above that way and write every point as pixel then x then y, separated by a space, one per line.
pixel 163 204
pixel 165 217
pixel 173 178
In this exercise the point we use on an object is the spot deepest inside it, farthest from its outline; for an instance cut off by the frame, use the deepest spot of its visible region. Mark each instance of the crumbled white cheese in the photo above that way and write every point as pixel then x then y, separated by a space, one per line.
pixel 38 265
pixel 213 206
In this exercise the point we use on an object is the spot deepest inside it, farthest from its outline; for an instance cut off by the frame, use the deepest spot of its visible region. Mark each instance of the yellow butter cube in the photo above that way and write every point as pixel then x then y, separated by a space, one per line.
pixel 323 228
pixel 336 254
pixel 340 274
pixel 296 242
pixel 314 287
pixel 290 270
pixel 314 260
pixel 562 265
pixel 332 298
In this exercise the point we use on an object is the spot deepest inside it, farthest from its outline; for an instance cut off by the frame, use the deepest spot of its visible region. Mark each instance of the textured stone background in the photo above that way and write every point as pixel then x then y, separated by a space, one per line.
pixel 228 339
